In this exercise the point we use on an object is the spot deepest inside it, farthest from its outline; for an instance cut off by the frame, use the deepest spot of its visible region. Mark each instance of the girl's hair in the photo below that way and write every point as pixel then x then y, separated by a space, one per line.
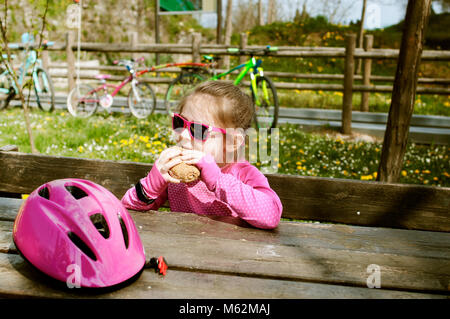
pixel 233 108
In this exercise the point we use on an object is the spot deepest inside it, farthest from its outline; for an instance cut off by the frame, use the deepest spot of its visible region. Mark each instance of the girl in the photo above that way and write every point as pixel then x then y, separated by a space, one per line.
pixel 235 189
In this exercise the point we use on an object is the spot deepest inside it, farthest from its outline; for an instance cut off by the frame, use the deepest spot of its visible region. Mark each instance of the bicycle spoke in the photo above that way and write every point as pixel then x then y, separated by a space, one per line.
pixel 266 103
pixel 82 101
pixel 141 100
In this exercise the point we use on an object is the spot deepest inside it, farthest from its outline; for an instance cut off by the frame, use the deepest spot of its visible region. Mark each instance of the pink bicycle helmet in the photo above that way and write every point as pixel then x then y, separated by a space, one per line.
pixel 78 232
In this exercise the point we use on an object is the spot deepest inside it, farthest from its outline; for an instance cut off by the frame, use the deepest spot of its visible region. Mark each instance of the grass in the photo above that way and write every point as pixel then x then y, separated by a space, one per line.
pixel 120 137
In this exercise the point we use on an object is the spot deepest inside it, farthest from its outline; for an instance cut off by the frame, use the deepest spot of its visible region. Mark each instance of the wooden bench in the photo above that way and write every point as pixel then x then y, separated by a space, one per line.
pixel 401 230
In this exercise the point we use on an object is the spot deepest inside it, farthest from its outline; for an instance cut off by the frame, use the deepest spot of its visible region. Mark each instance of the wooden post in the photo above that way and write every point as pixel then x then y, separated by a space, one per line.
pixel 367 70
pixel 70 37
pixel 134 42
pixel 242 45
pixel 45 59
pixel 196 42
pixel 157 39
pixel 219 22
pixel 404 91
pixel 350 42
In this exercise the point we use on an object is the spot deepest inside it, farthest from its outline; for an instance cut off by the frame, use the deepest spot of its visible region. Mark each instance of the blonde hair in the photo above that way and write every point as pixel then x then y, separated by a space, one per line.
pixel 232 108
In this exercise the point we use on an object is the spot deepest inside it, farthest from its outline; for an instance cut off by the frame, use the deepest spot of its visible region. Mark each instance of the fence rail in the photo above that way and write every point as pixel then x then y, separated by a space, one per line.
pixel 196 49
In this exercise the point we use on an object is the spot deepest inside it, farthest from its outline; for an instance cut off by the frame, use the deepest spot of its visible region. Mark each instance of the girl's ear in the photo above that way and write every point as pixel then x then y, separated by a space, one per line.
pixel 239 140
pixel 235 139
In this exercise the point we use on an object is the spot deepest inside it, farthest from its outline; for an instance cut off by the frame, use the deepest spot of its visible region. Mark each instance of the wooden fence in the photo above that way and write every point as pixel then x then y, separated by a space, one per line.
pixel 196 49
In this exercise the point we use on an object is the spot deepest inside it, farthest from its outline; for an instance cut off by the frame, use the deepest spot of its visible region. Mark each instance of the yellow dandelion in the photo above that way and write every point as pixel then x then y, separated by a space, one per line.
pixel 404 173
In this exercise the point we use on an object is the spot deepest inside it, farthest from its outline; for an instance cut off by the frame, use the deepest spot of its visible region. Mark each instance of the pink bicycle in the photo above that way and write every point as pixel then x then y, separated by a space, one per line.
pixel 83 100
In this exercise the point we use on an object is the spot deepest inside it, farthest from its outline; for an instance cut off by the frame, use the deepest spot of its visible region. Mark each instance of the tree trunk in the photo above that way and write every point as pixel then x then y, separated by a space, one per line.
pixel 228 30
pixel 270 11
pixel 404 90
pixel 347 98
pixel 360 35
pixel 219 22
pixel 260 13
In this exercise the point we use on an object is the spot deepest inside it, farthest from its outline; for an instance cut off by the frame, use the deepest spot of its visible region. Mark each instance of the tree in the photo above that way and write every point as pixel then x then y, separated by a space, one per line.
pixel 33 29
pixel 228 30
pixel 260 13
pixel 404 90
pixel 361 33
pixel 271 12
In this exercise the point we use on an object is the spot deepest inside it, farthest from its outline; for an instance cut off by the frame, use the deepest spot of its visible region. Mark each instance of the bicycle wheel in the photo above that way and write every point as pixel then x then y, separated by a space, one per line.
pixel 141 100
pixel 7 91
pixel 179 88
pixel 43 88
pixel 82 101
pixel 266 103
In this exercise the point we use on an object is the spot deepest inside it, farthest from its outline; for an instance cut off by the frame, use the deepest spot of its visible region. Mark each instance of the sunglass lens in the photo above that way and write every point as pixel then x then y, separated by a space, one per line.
pixel 199 131
pixel 177 123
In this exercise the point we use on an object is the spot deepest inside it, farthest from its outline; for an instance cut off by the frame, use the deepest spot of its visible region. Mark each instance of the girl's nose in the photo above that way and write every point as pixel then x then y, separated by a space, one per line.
pixel 184 136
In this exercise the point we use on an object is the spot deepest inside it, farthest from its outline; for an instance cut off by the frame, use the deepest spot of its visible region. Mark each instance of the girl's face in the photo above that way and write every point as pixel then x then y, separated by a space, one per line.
pixel 197 109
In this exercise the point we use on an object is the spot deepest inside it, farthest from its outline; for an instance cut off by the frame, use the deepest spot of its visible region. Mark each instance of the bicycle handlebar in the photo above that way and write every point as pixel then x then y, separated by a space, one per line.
pixel 128 62
pixel 18 46
pixel 266 50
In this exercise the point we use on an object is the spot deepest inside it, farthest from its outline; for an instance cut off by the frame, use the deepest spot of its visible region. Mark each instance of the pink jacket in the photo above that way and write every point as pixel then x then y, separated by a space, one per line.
pixel 238 190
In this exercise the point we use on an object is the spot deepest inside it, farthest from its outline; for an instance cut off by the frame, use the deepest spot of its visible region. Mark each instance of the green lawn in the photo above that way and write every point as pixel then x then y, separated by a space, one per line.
pixel 120 137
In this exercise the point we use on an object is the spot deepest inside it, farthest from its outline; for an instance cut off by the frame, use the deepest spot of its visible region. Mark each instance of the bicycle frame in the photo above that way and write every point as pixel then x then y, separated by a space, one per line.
pixel 24 69
pixel 251 67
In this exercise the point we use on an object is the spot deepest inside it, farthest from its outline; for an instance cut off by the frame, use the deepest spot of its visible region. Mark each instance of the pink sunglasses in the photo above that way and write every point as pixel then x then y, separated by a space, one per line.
pixel 196 130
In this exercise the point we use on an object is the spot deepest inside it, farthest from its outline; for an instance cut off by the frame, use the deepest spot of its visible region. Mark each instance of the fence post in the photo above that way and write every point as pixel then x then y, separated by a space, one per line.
pixel 70 60
pixel 242 46
pixel 367 70
pixel 134 43
pixel 350 42
pixel 196 43
pixel 44 59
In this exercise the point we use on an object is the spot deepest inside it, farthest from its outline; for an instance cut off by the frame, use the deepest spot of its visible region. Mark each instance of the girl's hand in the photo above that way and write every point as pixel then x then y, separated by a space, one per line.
pixel 191 157
pixel 210 172
pixel 168 159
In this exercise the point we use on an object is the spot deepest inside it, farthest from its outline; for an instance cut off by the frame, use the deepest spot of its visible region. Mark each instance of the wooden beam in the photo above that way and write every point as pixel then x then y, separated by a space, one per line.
pixel 404 91
pixel 307 198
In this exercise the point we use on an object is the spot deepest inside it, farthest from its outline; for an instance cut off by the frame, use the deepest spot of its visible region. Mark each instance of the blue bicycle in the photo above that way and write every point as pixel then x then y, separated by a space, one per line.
pixel 42 84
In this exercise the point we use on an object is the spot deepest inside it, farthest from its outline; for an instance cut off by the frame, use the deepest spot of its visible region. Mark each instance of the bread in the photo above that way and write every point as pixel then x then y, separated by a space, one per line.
pixel 185 172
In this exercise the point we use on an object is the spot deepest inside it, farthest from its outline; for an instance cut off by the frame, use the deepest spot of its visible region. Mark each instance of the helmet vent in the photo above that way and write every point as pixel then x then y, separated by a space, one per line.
pixel 124 231
pixel 43 192
pixel 76 192
pixel 82 245
pixel 100 223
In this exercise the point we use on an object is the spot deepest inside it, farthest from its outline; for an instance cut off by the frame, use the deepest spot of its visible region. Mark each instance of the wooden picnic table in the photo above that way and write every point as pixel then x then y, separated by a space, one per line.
pixel 212 258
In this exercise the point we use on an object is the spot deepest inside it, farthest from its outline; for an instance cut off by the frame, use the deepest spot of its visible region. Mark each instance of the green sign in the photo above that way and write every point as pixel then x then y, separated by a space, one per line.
pixel 180 5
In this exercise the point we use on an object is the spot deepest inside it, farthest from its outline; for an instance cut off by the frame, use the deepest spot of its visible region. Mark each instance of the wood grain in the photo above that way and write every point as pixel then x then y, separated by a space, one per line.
pixel 303 197
pixel 327 254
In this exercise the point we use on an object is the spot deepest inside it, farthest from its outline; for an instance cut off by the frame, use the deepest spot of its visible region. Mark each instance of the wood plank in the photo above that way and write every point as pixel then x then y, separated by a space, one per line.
pixel 18 279
pixel 303 197
pixel 363 203
pixel 331 236
pixel 195 243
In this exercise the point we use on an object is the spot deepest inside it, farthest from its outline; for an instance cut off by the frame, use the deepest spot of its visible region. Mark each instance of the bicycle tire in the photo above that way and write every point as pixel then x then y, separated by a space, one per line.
pixel 179 88
pixel 46 97
pixel 143 105
pixel 6 82
pixel 266 114
pixel 82 101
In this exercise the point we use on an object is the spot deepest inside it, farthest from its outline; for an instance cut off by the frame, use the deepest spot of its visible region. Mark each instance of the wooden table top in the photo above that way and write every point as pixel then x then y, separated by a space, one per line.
pixel 208 258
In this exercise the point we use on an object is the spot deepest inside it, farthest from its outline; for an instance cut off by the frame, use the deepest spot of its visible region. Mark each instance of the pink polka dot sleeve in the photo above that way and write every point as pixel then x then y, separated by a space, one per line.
pixel 154 188
pixel 250 196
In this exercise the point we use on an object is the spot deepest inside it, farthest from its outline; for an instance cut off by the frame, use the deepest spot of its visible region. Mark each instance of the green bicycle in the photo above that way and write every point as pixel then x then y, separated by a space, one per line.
pixel 262 89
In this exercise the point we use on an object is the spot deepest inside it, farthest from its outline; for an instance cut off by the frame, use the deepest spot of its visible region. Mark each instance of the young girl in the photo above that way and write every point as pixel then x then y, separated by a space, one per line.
pixel 235 189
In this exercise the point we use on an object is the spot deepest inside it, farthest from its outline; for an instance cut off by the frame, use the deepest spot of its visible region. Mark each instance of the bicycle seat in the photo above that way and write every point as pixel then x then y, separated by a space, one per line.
pixel 103 76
